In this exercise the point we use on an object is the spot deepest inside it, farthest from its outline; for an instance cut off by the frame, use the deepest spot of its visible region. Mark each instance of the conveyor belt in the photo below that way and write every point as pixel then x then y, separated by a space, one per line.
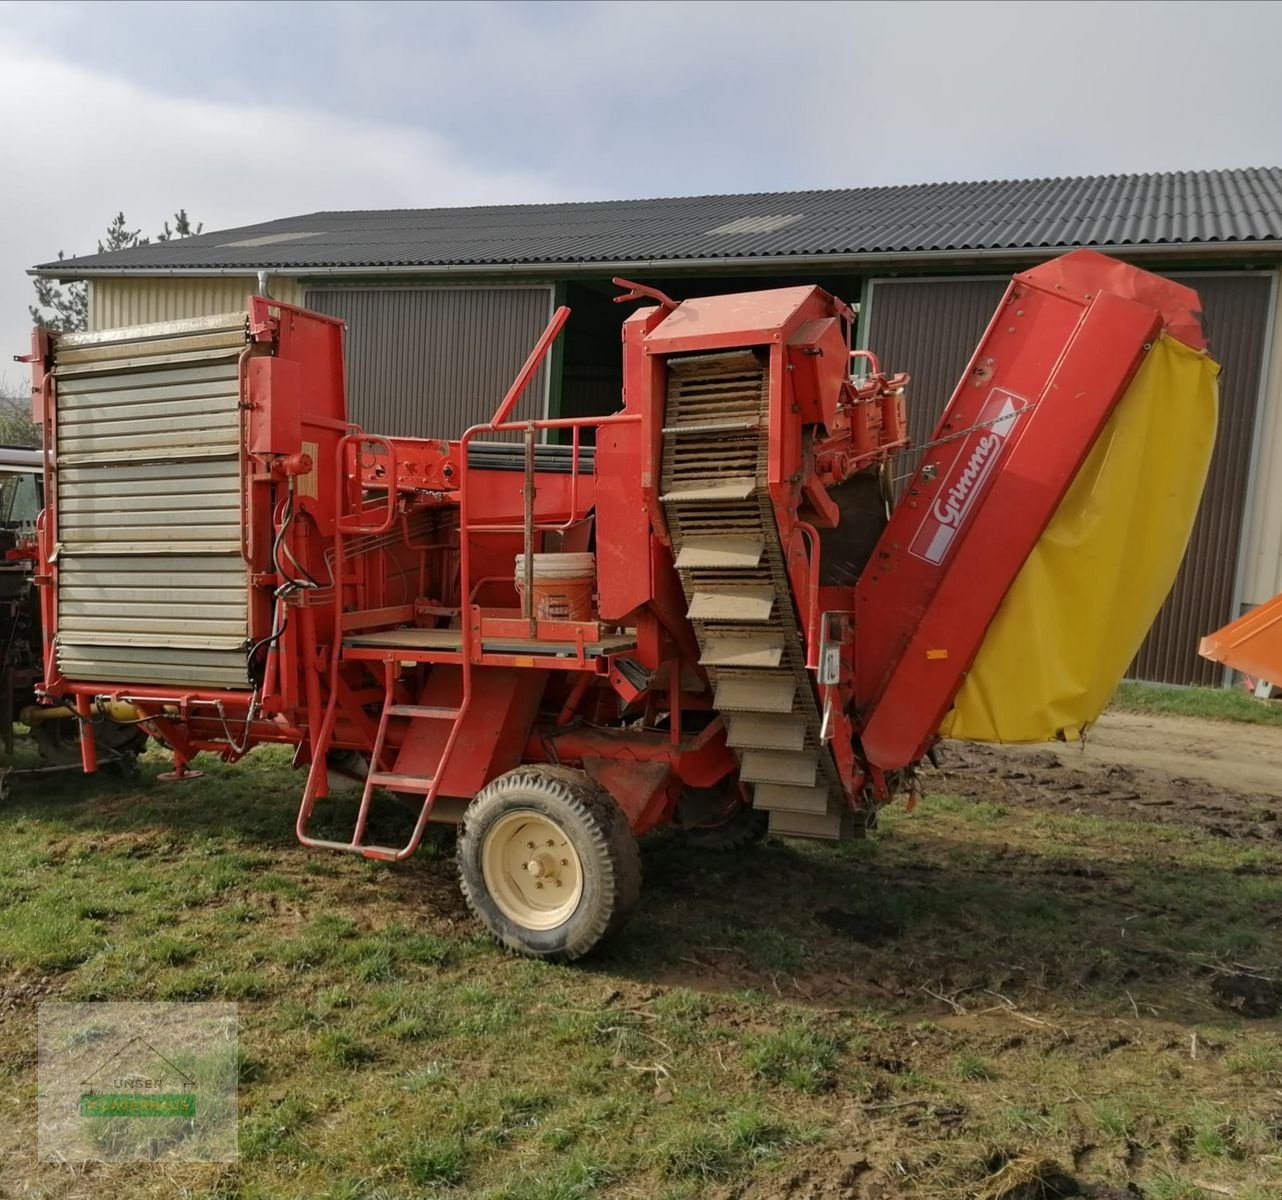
pixel 731 565
pixel 510 456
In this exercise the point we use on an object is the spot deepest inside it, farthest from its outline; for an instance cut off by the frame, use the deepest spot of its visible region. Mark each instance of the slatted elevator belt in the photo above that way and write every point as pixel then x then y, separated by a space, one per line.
pixel 732 567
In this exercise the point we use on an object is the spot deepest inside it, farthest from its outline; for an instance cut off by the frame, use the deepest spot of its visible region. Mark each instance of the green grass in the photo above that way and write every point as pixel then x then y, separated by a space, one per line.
pixel 437 1161
pixel 766 1016
pixel 1211 704
pixel 799 1055
pixel 971 1066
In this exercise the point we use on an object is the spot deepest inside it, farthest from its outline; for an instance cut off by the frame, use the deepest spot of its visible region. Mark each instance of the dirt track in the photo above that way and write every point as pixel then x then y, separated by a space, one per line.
pixel 1223 776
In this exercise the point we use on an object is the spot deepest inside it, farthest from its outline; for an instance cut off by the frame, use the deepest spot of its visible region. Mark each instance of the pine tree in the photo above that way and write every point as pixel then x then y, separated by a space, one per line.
pixel 16 426
pixel 182 227
pixel 65 306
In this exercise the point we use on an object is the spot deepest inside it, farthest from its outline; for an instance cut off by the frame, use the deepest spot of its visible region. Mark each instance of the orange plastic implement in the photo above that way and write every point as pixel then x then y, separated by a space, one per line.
pixel 1252 644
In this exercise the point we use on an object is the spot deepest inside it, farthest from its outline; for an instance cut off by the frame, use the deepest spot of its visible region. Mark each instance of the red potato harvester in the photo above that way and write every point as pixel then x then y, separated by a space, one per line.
pixel 701 611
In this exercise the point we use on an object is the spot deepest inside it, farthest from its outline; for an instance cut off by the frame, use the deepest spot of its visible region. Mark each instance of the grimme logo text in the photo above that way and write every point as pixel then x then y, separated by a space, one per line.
pixel 951 508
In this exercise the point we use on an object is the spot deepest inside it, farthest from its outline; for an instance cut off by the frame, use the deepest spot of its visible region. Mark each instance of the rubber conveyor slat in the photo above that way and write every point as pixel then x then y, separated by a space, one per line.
pixel 727 549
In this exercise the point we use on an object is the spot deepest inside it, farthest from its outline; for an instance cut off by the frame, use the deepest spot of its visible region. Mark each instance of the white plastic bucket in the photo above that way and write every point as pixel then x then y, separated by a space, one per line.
pixel 563 585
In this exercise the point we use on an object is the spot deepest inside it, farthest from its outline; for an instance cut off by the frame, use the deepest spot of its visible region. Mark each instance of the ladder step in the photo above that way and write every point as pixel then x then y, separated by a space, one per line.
pixel 732 651
pixel 401 783
pixel 758 692
pixel 766 731
pixel 424 711
pixel 736 488
pixel 779 766
pixel 719 552
pixel 779 797
pixel 830 826
pixel 732 603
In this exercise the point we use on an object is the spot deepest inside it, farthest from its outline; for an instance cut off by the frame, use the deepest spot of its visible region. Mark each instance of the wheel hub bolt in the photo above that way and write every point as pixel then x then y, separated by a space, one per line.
pixel 541 866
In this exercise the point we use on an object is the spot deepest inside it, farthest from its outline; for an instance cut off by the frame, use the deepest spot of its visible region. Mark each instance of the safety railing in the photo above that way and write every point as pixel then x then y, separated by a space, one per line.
pixel 499 423
pixel 349 484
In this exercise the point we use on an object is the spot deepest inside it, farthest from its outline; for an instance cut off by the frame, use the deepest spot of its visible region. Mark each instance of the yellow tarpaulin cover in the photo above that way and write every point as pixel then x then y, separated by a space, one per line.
pixel 1084 599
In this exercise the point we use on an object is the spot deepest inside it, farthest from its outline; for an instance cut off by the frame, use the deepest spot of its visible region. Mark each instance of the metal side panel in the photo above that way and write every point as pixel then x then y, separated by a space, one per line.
pixel 139 618
pixel 152 588
pixel 191 410
pixel 155 332
pixel 128 664
pixel 101 508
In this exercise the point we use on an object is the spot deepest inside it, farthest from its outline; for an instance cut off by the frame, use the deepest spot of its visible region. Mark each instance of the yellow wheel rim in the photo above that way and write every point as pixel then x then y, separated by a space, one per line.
pixel 531 870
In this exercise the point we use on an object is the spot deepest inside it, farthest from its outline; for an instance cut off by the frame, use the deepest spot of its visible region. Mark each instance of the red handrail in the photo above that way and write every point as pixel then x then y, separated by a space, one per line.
pixel 532 363
pixel 356 525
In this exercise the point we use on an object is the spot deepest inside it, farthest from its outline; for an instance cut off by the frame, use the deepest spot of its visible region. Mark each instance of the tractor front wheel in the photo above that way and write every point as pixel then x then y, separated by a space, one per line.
pixel 547 862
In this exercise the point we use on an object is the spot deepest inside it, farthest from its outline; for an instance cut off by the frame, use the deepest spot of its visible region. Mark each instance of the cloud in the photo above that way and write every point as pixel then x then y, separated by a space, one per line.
pixel 81 145
pixel 246 112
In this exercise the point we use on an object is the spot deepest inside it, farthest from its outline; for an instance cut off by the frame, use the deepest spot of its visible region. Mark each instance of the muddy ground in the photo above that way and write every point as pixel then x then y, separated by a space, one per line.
pixel 1061 976
pixel 1221 776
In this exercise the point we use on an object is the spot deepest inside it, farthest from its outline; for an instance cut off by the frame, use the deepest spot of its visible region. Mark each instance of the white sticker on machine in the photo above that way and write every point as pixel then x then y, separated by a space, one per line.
pixel 968 475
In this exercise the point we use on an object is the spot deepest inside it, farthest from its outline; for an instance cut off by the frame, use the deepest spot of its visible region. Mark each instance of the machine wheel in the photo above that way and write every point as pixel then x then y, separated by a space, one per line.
pixel 705 821
pixel 743 827
pixel 347 771
pixel 59 741
pixel 547 862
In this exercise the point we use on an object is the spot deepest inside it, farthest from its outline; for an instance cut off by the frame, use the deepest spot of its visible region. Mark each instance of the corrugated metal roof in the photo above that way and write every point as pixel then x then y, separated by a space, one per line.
pixel 1183 207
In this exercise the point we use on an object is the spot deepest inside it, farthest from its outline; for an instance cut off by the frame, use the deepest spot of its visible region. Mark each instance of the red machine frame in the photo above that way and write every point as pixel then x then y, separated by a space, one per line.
pixel 382 616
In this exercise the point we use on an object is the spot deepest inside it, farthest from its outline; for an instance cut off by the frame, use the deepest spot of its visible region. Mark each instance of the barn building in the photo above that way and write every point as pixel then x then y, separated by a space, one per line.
pixel 442 306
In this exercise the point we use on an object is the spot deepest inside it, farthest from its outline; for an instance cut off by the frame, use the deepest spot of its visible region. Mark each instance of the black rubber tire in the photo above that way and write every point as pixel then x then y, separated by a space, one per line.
pixel 58 742
pixel 598 830
pixel 743 827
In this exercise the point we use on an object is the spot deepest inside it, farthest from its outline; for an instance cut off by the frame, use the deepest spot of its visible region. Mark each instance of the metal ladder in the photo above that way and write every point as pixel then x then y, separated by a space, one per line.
pixel 428 786
pixel 470 648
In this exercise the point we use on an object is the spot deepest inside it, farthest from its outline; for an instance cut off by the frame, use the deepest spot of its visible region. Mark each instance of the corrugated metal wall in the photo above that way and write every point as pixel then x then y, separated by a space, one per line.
pixel 930 328
pixel 429 362
pixel 1262 577
pixel 114 303
pixel 1236 310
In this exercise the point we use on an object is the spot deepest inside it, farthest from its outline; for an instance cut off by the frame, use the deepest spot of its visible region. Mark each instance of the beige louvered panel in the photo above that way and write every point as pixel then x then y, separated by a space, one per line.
pixel 766 731
pixel 832 825
pixel 152 587
pixel 757 692
pixel 181 507
pixel 786 798
pixel 719 551
pixel 779 766
pixel 728 602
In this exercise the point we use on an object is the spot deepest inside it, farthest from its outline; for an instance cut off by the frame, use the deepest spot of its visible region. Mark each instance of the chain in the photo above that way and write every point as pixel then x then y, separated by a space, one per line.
pixel 961 433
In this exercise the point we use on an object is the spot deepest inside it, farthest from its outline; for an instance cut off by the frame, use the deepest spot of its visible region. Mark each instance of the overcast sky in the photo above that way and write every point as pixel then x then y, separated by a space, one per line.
pixel 246 112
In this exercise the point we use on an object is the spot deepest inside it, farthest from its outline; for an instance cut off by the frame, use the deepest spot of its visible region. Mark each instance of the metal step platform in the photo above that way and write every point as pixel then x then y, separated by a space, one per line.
pixel 450 641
